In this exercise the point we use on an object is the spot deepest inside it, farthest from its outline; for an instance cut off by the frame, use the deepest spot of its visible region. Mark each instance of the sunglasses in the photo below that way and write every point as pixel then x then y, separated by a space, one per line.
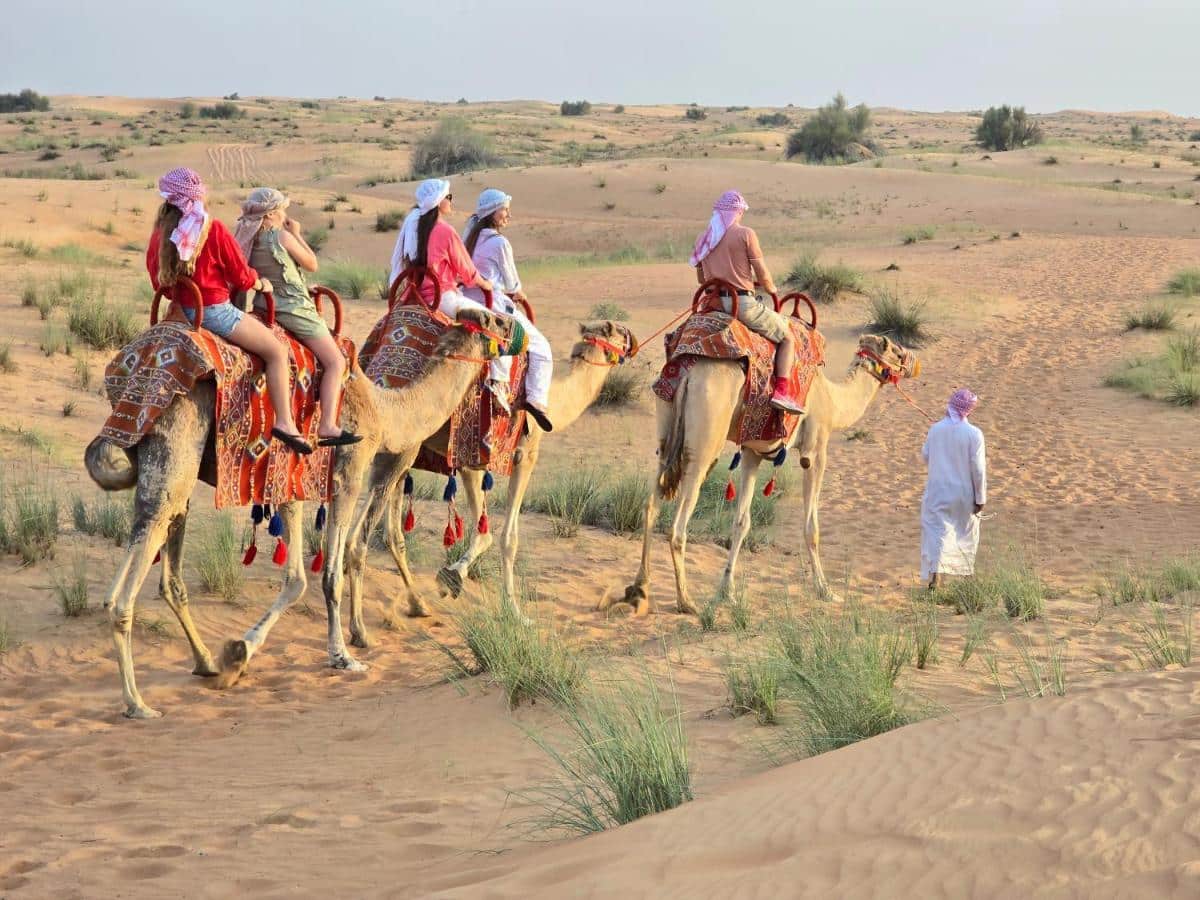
pixel 449 198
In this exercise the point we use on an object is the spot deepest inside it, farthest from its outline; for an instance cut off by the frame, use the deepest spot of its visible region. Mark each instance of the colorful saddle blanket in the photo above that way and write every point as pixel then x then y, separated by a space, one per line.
pixel 717 335
pixel 481 435
pixel 168 359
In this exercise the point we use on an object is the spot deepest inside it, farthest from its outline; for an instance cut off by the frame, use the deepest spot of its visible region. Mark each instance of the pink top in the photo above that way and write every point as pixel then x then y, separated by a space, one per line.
pixel 448 259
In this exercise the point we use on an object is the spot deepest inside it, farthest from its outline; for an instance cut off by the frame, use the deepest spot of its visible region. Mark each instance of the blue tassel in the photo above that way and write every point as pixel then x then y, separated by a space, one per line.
pixel 320 517
pixel 256 513
pixel 408 485
pixel 736 461
pixel 488 481
pixel 451 489
pixel 275 529
pixel 781 456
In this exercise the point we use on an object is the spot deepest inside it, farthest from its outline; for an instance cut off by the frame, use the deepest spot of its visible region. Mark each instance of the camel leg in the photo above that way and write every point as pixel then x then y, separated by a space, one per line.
pixel 637 594
pixel 387 472
pixel 451 576
pixel 746 479
pixel 689 494
pixel 174 592
pixel 813 478
pixel 342 513
pixel 518 484
pixel 236 655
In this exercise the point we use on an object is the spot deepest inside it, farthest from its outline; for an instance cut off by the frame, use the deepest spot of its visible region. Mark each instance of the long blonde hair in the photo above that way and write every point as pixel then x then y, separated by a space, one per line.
pixel 169 265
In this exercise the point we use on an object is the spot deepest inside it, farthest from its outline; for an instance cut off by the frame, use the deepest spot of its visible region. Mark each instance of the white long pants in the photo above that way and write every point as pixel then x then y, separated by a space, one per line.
pixel 541 359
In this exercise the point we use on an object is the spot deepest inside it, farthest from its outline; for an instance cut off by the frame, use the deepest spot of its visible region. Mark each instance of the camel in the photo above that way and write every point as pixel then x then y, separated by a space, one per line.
pixel 166 464
pixel 693 429
pixel 592 359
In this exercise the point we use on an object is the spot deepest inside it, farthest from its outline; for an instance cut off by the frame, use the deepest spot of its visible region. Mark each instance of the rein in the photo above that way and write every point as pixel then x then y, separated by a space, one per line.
pixel 495 340
pixel 885 374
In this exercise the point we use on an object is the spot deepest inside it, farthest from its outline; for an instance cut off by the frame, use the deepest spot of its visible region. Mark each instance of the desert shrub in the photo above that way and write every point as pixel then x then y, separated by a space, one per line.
pixel 26 101
pixel 755 685
pixel 7 363
pixel 218 558
pixel 71 589
pixel 823 282
pixel 1137 134
pixel 24 246
pixel 623 502
pixel 1183 352
pixel 608 310
pixel 354 279
pixel 6 638
pixel 1152 317
pixel 620 108
pixel 831 133
pixel 918 234
pixel 29 519
pixel 389 220
pixel 570 498
pixel 577 108
pixel 56 339
pixel 1007 128
pixel 309 104
pixel 622 387
pixel 528 662
pixel 900 319
pixel 1183 390
pixel 1164 644
pixel 695 113
pixel 222 111
pixel 1019 589
pixel 1164 582
pixel 187 110
pixel 1185 282
pixel 102 325
pixel 451 148
pixel 773 120
pixel 110 517
pixel 316 238
pixel 630 760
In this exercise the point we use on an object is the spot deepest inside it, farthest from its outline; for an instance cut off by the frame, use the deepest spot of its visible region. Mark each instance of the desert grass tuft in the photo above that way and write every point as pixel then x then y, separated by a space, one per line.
pixel 1164 644
pixel 1041 673
pixel 925 632
pixel 900 319
pixel 609 310
pixel 103 325
pixel 218 558
pixel 755 685
pixel 7 363
pixel 354 280
pixel 978 630
pixel 1152 317
pixel 110 517
pixel 6 638
pixel 30 519
pixel 915 235
pixel 622 387
pixel 71 589
pixel 824 282
pixel 1185 282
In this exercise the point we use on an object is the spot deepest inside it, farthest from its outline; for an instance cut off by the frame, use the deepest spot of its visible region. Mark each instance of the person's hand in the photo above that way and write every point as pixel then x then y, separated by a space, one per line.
pixel 978 508
pixel 520 295
pixel 292 226
pixel 264 287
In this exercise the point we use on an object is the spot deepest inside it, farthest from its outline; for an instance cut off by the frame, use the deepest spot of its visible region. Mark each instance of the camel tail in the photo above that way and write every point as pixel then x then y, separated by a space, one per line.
pixel 111 467
pixel 670 464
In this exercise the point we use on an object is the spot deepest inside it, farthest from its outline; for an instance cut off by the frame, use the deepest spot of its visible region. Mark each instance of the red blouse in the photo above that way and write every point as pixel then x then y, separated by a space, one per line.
pixel 220 267
pixel 448 259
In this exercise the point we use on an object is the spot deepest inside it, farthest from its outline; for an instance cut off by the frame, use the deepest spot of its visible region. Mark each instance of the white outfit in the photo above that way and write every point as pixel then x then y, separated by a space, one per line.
pixel 957 481
pixel 493 257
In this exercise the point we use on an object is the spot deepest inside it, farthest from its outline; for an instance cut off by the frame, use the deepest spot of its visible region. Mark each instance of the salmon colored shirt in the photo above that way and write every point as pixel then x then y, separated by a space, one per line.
pixel 447 257
pixel 220 267
pixel 731 259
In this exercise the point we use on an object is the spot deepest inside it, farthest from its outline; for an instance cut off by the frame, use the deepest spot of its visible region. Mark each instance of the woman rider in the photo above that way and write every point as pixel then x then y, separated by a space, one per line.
pixel 271 242
pixel 427 239
pixel 728 250
pixel 188 242
pixel 493 257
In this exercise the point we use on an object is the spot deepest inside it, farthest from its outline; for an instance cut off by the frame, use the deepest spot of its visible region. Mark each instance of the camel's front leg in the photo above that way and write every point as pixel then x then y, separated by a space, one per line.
pixel 338 528
pixel 518 485
pixel 637 594
pixel 747 477
pixel 451 576
pixel 385 501
pixel 813 478
pixel 174 592
pixel 236 655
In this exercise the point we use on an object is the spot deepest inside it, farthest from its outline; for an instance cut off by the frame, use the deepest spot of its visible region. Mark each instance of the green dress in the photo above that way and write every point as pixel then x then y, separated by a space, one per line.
pixel 294 309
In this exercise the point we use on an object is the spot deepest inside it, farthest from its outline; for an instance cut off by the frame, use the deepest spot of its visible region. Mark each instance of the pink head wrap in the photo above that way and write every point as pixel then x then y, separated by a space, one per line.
pixel 725 211
pixel 962 404
pixel 184 190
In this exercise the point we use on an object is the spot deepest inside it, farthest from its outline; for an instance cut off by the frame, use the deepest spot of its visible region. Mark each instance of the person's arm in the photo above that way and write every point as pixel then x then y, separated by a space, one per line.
pixel 508 269
pixel 293 242
pixel 152 259
pixel 979 469
pixel 237 272
pixel 761 273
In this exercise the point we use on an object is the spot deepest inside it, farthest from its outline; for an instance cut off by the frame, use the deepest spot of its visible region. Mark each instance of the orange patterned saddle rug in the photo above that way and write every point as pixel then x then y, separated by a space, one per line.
pixel 481 434
pixel 717 335
pixel 168 359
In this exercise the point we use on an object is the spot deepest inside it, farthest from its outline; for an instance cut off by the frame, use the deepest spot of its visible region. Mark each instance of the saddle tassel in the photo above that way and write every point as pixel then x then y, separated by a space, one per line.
pixel 318 561
pixel 410 520
pixel 730 491
pixel 483 523
pixel 279 557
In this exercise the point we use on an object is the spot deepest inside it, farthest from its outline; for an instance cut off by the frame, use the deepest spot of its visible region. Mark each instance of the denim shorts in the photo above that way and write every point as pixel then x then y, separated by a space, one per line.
pixel 220 318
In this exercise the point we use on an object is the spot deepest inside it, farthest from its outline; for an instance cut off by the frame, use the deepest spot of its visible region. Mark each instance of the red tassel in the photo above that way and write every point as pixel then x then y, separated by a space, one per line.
pixel 769 489
pixel 448 539
pixel 251 552
pixel 157 558
pixel 279 557
pixel 410 521
pixel 483 524
pixel 318 562
pixel 459 529
pixel 730 492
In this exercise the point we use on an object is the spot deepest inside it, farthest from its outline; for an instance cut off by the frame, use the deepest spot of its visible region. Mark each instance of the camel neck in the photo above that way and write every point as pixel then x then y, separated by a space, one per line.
pixel 852 396
pixel 573 392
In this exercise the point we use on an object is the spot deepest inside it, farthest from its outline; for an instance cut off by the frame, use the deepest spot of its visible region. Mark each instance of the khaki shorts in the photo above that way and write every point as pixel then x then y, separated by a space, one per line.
pixel 760 318
pixel 303 321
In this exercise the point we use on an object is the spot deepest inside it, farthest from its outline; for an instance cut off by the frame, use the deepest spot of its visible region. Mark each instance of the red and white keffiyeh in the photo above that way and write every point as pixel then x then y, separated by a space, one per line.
pixel 725 212
pixel 184 189
pixel 962 404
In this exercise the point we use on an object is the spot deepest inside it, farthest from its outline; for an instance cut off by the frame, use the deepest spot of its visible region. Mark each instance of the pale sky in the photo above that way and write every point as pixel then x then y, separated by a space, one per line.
pixel 1108 55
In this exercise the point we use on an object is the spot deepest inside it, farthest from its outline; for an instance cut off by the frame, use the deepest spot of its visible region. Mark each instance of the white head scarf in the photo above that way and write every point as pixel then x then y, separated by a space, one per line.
pixel 261 201
pixel 429 194
pixel 490 201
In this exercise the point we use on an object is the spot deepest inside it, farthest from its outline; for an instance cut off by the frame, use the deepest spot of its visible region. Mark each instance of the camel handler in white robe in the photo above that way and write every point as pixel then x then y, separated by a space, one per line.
pixel 955 492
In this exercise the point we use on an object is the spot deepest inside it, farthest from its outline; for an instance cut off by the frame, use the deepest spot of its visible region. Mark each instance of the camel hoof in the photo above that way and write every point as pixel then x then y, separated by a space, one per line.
pixel 235 660
pixel 142 711
pixel 687 607
pixel 347 663
pixel 417 608
pixel 360 639
pixel 206 668
pixel 450 581
pixel 635 594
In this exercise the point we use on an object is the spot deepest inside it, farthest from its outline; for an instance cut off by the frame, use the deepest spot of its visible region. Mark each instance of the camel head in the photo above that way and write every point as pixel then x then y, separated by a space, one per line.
pixel 886 360
pixel 480 335
pixel 605 341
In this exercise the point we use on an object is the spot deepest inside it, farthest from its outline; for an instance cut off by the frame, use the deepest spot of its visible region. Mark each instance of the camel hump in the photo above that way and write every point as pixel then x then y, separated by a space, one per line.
pixel 111 467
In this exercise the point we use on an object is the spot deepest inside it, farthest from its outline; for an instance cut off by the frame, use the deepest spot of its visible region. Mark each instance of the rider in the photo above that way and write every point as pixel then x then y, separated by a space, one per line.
pixel 426 239
pixel 272 244
pixel 493 257
pixel 729 250
pixel 187 241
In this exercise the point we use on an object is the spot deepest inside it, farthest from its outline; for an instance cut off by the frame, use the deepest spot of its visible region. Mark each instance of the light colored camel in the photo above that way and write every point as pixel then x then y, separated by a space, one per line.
pixel 693 430
pixel 166 464
pixel 593 358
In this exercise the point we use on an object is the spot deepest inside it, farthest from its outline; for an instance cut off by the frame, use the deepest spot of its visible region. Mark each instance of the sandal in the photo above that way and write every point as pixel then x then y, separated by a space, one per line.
pixel 343 439
pixel 295 443
pixel 538 416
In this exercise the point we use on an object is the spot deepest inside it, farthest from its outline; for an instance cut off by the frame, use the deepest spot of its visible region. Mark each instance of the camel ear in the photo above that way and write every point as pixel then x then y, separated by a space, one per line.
pixel 609 329
pixel 583 329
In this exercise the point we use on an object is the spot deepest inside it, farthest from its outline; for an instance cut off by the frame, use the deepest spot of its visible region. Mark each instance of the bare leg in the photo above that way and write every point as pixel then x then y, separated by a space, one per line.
pixel 252 335
pixel 785 355
pixel 334 365
pixel 452 576
pixel 174 592
pixel 747 476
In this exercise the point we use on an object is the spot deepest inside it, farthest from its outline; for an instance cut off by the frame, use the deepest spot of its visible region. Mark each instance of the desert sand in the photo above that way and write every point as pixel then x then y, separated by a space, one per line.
pixel 301 781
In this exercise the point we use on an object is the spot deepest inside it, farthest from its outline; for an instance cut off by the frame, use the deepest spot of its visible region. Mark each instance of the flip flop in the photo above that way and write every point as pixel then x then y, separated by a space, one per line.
pixel 346 437
pixel 538 416
pixel 294 441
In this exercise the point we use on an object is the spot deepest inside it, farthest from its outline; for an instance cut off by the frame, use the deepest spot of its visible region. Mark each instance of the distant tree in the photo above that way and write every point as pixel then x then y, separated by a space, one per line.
pixel 575 108
pixel 187 109
pixel 773 119
pixel 1137 134
pixel 1007 128
pixel 696 113
pixel 833 133
pixel 461 101
pixel 233 96
pixel 26 101
pixel 452 147
pixel 619 108
pixel 221 111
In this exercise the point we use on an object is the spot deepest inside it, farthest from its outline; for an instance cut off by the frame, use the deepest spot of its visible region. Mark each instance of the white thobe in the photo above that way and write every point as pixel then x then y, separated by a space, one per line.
pixel 956 482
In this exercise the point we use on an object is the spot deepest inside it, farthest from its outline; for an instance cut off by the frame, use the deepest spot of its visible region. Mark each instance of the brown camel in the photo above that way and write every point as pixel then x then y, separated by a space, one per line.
pixel 165 465
pixel 693 429
pixel 592 359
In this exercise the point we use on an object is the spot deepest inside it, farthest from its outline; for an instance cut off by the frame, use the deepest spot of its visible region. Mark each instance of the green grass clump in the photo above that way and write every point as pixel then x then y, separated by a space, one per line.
pixel 71 590
pixel 755 686
pixel 925 632
pixel 823 282
pixel 1184 390
pixel 1152 317
pixel 622 387
pixel 1185 282
pixel 218 558
pixel 1015 585
pixel 354 279
pixel 389 220
pixel 6 638
pixel 7 363
pixel 1165 644
pixel 1172 377
pixel 614 312
pixel 29 524
pixel 915 235
pixel 629 759
pixel 900 319
pixel 55 339
pixel 570 498
pixel 1041 673
pixel 451 148
pixel 103 325
pixel 110 517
